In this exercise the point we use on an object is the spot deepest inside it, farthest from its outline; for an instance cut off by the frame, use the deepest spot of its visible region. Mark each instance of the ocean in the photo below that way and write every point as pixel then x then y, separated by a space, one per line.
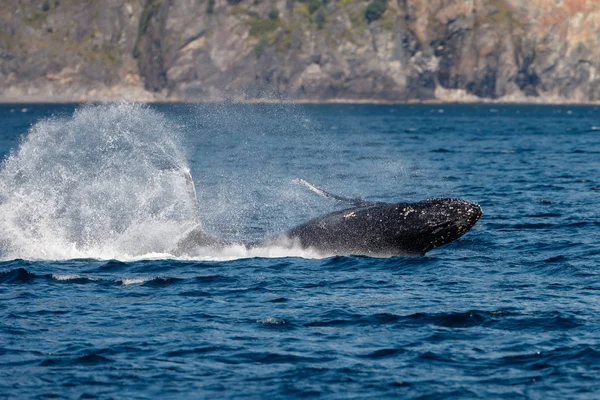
pixel 94 306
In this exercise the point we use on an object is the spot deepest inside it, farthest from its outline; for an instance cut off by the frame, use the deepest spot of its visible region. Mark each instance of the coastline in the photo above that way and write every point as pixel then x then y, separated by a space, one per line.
pixel 340 101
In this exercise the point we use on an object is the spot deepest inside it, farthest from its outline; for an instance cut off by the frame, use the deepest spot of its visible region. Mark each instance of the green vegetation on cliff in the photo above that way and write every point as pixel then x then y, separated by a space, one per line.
pixel 375 10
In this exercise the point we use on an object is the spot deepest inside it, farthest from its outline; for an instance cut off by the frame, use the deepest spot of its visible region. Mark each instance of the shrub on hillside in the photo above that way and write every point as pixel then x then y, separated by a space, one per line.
pixel 314 5
pixel 375 10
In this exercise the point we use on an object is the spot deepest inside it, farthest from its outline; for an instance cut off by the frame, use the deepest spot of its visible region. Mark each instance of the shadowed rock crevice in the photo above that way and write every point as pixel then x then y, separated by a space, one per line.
pixel 148 50
pixel 527 78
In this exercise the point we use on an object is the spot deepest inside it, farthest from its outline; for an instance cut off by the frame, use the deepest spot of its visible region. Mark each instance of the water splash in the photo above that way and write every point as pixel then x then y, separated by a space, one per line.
pixel 109 182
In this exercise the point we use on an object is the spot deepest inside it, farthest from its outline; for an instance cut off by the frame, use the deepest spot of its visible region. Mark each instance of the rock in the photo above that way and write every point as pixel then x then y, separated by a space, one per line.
pixel 193 50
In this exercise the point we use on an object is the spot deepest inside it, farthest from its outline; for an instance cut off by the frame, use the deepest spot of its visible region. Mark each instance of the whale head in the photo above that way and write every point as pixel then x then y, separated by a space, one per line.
pixel 434 222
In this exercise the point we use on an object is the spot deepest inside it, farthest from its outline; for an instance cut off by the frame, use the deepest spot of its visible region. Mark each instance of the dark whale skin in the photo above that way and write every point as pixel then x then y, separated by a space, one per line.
pixel 387 229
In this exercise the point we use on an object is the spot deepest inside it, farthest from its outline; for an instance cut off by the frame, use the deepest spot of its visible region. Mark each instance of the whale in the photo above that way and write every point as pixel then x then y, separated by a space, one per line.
pixel 386 229
pixel 366 228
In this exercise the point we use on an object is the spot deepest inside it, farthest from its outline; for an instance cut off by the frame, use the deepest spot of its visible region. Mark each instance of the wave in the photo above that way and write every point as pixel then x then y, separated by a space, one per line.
pixel 583 354
pixel 85 360
pixel 502 319
pixel 21 276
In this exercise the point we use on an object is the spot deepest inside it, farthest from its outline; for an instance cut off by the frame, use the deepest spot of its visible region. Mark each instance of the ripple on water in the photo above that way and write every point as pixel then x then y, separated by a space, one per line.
pixel 19 275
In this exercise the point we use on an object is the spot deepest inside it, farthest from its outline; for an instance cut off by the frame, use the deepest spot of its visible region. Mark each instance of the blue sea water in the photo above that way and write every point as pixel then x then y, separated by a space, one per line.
pixel 92 304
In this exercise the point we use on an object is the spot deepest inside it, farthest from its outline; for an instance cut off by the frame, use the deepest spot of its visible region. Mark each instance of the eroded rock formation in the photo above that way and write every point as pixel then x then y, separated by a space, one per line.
pixel 394 50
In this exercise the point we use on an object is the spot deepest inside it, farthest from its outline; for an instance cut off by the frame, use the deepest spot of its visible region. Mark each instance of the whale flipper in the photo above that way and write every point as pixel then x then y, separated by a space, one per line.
pixel 192 194
pixel 353 201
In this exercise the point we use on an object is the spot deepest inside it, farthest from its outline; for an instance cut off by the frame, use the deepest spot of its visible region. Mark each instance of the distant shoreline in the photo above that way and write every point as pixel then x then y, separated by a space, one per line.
pixel 340 101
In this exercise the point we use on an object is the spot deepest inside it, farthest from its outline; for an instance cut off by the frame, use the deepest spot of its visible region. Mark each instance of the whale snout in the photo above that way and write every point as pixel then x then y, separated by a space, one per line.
pixel 448 219
pixel 461 214
pixel 468 214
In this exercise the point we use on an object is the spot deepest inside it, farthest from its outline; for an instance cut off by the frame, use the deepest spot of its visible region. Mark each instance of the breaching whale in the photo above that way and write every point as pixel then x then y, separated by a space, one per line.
pixel 366 228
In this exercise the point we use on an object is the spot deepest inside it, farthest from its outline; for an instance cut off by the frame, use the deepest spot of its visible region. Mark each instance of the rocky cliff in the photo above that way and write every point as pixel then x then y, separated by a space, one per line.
pixel 371 50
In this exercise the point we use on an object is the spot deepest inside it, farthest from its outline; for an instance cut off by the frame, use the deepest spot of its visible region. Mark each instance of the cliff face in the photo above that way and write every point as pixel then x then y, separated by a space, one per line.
pixel 394 50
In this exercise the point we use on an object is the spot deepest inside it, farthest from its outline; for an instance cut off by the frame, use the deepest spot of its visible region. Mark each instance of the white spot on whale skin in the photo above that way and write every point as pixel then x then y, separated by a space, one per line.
pixel 350 215
pixel 408 210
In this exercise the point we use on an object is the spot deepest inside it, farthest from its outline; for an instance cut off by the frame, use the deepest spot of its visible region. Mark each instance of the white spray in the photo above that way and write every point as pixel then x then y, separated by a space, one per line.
pixel 109 182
